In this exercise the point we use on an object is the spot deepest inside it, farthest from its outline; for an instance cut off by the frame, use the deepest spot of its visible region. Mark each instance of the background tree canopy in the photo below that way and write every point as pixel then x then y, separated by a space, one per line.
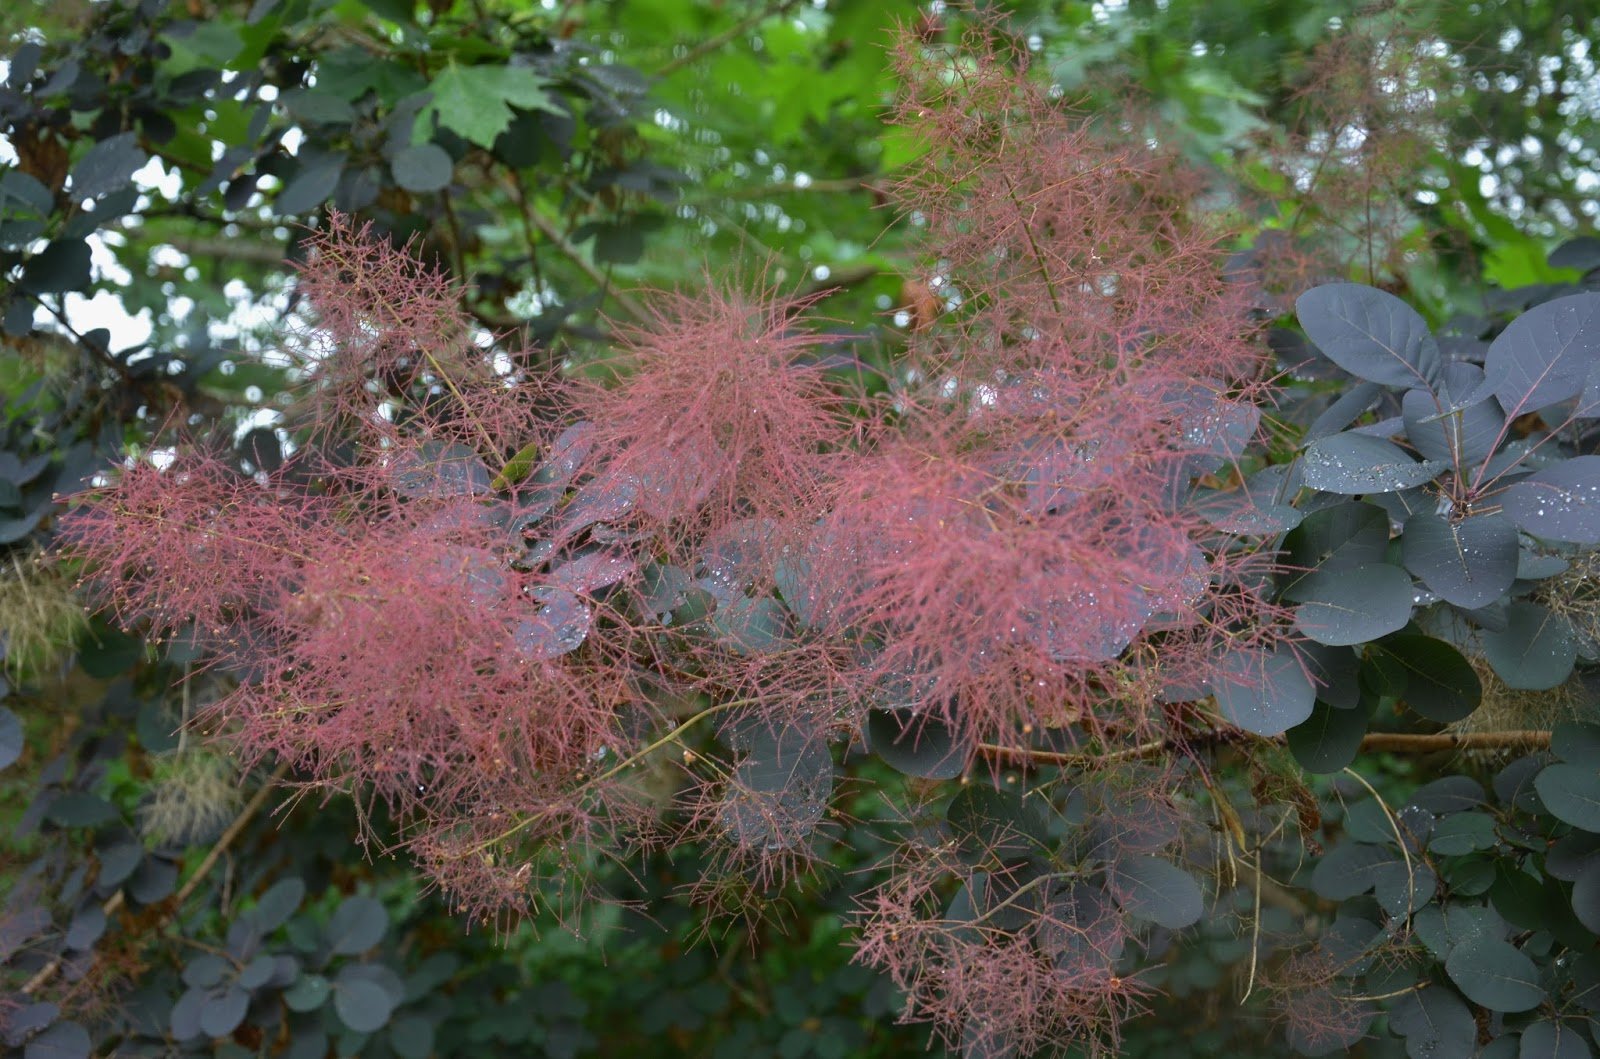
pixel 1099 553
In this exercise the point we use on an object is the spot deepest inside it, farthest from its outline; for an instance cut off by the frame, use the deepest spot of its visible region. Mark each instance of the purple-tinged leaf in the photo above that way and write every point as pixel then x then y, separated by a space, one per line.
pixel 1353 606
pixel 1352 464
pixel 559 626
pixel 1560 503
pixel 1442 428
pixel 1371 334
pixel 1263 692
pixel 1545 355
pixel 1470 563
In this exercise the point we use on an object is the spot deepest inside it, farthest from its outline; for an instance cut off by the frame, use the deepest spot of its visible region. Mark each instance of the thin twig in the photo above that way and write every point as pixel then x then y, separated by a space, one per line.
pixel 1371 743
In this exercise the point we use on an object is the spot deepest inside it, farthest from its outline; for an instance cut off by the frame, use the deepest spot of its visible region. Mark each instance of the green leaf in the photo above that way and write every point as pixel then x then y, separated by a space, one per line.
pixel 423 168
pixel 309 992
pixel 1328 740
pixel 1572 794
pixel 1495 974
pixel 1157 890
pixel 362 1005
pixel 1440 683
pixel 475 101
pixel 1536 649
pixel 1553 1039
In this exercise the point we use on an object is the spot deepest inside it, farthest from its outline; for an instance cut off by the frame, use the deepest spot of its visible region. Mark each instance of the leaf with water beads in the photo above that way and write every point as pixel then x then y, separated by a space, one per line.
pixel 1560 503
pixel 780 789
pixel 438 469
pixel 1353 606
pixel 1435 1024
pixel 1453 431
pixel 1535 650
pixel 1265 692
pixel 1469 562
pixel 1353 464
pixel 559 626
pixel 1544 356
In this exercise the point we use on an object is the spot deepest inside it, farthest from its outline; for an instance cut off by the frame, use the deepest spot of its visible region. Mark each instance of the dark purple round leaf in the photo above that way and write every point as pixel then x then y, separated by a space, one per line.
pixel 1560 503
pixel 1370 333
pixel 1328 740
pixel 362 1005
pixel 185 1018
pixel 280 902
pixel 1535 651
pixel 1571 793
pixel 1440 683
pixel 1262 692
pixel 86 927
pixel 1471 562
pixel 311 184
pixel 1586 896
pixel 1442 427
pixel 1349 869
pixel 1553 1039
pixel 1352 464
pixel 11 742
pixel 917 744
pixel 1434 1022
pixel 1545 355
pixel 108 166
pixel 308 993
pixel 1354 606
pixel 223 1010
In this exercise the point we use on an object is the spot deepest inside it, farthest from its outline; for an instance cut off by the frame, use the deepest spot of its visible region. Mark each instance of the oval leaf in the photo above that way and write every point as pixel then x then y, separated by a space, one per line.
pixel 1328 740
pixel 1572 794
pixel 1158 890
pixel 916 744
pixel 362 1005
pixel 1560 503
pixel 1263 692
pixel 356 925
pixel 1535 650
pixel 1494 974
pixel 1544 356
pixel 1354 606
pixel 1470 563
pixel 1351 464
pixel 1370 333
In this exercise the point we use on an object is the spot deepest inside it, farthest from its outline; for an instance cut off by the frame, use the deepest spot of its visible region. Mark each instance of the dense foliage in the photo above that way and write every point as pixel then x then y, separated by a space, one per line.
pixel 1005 663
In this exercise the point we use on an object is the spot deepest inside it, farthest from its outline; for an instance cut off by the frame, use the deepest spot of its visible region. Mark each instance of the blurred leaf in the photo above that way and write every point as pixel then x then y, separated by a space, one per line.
pixel 475 101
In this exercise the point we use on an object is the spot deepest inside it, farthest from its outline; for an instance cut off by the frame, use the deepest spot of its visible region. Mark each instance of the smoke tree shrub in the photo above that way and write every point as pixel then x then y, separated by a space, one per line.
pixel 1051 575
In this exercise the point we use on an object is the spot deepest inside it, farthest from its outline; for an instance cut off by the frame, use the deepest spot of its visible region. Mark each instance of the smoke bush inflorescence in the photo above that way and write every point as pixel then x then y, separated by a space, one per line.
pixel 502 649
